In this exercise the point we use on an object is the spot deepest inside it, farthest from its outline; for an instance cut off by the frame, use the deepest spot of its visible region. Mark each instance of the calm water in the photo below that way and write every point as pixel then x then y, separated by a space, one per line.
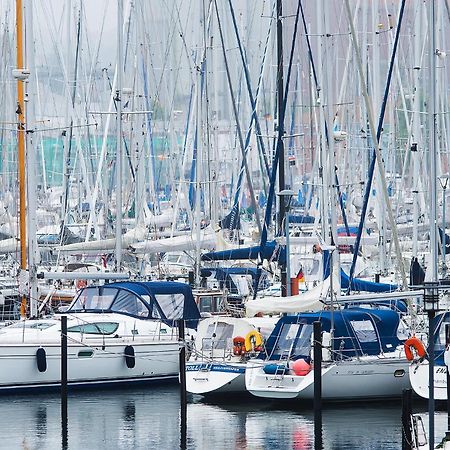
pixel 149 418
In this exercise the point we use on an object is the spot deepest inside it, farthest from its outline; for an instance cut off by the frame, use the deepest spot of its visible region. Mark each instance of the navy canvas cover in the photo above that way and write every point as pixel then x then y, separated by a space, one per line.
pixel 191 314
pixel 270 251
pixel 346 341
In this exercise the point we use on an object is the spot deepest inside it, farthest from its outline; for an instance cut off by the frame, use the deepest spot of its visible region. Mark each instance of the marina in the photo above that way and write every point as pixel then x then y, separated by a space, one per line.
pixel 225 224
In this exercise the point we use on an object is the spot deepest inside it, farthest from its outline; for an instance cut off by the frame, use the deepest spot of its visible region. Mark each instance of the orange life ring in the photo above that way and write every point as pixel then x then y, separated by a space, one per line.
pixel 238 346
pixel 417 345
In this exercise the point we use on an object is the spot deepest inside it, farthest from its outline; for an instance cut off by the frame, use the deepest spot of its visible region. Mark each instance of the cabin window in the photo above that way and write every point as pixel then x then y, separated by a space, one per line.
pixel 103 328
pixel 128 303
pixel 208 304
pixel 364 330
pixel 172 305
pixel 85 354
pixel 35 325
pixel 94 298
pixel 218 336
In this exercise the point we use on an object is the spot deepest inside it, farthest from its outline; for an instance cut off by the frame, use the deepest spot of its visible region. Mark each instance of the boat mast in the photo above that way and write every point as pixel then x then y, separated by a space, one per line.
pixel 280 136
pixel 119 175
pixel 280 109
pixel 32 87
pixel 21 152
pixel 432 140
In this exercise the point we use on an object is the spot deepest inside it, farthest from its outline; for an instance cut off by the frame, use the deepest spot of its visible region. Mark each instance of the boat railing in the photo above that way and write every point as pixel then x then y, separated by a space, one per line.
pixel 213 348
pixel 339 351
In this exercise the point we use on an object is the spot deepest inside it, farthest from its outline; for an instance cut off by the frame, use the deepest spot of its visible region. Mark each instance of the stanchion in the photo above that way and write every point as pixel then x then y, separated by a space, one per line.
pixel 406 419
pixel 64 417
pixel 318 445
pixel 183 393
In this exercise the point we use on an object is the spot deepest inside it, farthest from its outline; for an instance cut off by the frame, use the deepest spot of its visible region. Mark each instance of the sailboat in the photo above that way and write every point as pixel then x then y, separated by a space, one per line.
pixel 119 333
pixel 221 349
pixel 363 357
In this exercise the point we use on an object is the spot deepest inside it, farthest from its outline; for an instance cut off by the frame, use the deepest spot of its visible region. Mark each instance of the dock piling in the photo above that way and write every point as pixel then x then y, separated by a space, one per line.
pixel 406 419
pixel 183 392
pixel 318 385
pixel 64 416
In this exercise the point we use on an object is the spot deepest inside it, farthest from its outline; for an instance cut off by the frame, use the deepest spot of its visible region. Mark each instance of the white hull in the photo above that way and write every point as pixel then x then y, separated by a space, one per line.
pixel 215 378
pixel 347 380
pixel 153 361
pixel 418 374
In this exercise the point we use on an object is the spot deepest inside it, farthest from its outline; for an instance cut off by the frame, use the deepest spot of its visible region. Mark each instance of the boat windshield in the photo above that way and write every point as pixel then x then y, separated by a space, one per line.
pixel 114 300
pixel 99 298
pixel 294 340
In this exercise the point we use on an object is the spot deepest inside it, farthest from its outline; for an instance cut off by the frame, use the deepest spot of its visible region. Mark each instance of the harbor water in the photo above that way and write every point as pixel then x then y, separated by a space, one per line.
pixel 149 418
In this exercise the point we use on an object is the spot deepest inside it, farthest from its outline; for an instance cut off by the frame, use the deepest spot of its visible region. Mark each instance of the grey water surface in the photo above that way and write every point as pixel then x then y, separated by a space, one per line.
pixel 148 418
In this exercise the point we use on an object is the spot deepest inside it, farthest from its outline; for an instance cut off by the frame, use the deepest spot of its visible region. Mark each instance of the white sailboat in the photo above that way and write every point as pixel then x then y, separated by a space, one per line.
pixel 363 357
pixel 117 333
pixel 222 347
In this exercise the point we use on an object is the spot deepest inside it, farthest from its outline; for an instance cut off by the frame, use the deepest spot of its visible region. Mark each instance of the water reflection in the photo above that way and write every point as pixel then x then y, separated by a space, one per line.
pixel 41 421
pixel 150 418
pixel 254 425
pixel 127 434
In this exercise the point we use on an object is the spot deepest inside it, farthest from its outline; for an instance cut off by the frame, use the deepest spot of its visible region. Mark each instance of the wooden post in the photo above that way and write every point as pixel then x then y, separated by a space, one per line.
pixel 183 393
pixel 64 416
pixel 317 385
pixel 406 419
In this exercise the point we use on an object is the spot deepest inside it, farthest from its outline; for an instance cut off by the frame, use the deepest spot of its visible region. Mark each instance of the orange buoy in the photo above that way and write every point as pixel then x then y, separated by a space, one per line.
pixel 417 345
pixel 238 346
pixel 300 367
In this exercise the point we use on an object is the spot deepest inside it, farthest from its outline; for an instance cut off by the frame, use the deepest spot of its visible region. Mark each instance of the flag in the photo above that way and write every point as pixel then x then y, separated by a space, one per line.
pixel 300 276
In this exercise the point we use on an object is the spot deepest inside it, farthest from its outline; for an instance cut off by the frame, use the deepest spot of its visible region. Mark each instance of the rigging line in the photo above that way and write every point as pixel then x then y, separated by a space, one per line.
pixel 127 40
pixel 43 130
pixel 185 48
pixel 282 111
pixel 255 118
pixel 376 156
pixel 327 137
pixel 158 82
pixel 125 144
pixel 149 117
pixel 279 147
pixel 69 142
pixel 206 30
pixel 236 117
